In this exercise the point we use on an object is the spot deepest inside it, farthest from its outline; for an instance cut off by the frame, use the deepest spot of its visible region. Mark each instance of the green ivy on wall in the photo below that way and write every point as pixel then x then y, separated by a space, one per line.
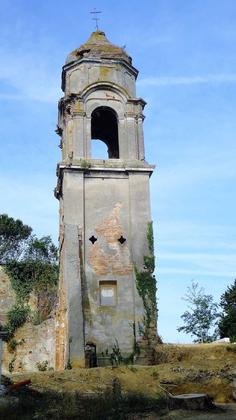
pixel 34 270
pixel 27 276
pixel 31 263
pixel 31 275
pixel 146 285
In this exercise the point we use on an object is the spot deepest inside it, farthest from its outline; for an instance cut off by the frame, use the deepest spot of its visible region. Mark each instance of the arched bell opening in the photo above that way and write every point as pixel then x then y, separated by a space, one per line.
pixel 104 127
pixel 99 149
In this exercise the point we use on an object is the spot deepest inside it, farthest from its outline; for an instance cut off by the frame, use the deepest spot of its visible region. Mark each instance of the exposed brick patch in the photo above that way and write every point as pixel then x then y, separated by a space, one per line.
pixel 107 255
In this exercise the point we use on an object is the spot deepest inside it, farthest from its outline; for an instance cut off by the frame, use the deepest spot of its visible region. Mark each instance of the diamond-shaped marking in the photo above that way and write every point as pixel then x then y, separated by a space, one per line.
pixel 93 239
pixel 121 240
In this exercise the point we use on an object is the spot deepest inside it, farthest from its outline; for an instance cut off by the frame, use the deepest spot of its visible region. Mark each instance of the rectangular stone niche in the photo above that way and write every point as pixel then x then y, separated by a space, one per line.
pixel 108 293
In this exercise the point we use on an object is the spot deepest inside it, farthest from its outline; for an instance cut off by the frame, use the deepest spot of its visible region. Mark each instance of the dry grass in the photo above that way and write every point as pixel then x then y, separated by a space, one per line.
pixel 180 369
pixel 196 353
pixel 205 368
pixel 96 381
pixel 91 394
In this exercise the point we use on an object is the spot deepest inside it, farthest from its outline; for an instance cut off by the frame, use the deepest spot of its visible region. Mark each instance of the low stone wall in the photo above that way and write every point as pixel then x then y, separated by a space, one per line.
pixel 34 343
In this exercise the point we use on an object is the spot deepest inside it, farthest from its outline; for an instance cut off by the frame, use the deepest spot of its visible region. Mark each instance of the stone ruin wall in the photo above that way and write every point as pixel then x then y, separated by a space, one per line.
pixel 36 342
pixel 61 332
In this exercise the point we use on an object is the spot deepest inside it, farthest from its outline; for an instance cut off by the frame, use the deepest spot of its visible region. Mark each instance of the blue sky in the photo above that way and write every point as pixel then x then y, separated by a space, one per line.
pixel 185 52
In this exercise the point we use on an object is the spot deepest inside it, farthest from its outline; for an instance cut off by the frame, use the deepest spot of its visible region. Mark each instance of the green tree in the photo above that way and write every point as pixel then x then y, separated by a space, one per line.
pixel 13 238
pixel 42 249
pixel 227 323
pixel 202 315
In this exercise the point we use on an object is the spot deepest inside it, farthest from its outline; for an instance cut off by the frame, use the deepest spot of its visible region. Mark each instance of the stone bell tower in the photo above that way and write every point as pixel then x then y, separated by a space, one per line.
pixel 104 204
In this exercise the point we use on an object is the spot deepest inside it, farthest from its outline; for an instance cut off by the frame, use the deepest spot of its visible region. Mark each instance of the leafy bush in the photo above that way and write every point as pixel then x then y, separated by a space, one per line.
pixel 32 265
pixel 31 275
pixel 16 317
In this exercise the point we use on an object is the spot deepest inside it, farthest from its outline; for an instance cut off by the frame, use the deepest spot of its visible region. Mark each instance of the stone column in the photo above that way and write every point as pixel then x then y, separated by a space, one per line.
pixel 122 135
pixel 131 137
pixel 72 278
pixel 87 138
pixel 73 194
pixel 141 151
pixel 79 147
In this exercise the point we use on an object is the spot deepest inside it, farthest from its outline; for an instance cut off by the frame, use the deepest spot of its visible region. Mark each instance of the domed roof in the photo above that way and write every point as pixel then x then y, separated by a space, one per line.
pixel 98 46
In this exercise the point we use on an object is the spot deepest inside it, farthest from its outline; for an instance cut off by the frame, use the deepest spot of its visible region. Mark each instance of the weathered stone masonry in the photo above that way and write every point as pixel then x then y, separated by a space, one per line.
pixel 104 203
pixel 36 343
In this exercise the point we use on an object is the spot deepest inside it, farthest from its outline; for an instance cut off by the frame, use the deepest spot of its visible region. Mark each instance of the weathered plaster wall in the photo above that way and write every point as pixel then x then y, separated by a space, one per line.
pixel 85 74
pixel 108 260
pixel 70 256
pixel 108 205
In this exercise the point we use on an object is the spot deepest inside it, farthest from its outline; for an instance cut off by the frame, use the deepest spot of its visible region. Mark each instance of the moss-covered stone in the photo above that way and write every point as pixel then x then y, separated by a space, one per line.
pixel 98 45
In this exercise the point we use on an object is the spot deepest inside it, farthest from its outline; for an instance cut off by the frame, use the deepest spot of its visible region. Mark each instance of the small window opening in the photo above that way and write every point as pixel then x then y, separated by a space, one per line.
pixel 121 240
pixel 108 292
pixel 93 239
pixel 104 127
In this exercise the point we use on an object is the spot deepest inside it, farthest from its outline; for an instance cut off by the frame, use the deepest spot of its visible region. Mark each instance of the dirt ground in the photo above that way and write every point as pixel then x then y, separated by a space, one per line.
pixel 205 368
pixel 208 368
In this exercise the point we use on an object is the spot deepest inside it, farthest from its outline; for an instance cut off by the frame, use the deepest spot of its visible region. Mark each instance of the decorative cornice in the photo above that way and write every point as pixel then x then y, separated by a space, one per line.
pixel 137 101
pixel 69 66
pixel 145 168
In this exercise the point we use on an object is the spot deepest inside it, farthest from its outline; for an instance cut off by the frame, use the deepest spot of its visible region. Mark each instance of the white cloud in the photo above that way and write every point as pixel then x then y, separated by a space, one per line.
pixel 207 169
pixel 196 256
pixel 203 244
pixel 194 249
pixel 187 80
pixel 200 263
pixel 29 68
pixel 196 272
pixel 10 97
pixel 31 80
pixel 192 235
pixel 32 201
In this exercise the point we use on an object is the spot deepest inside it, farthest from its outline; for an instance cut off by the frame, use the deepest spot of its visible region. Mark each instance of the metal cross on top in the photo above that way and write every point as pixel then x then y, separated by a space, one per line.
pixel 96 18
